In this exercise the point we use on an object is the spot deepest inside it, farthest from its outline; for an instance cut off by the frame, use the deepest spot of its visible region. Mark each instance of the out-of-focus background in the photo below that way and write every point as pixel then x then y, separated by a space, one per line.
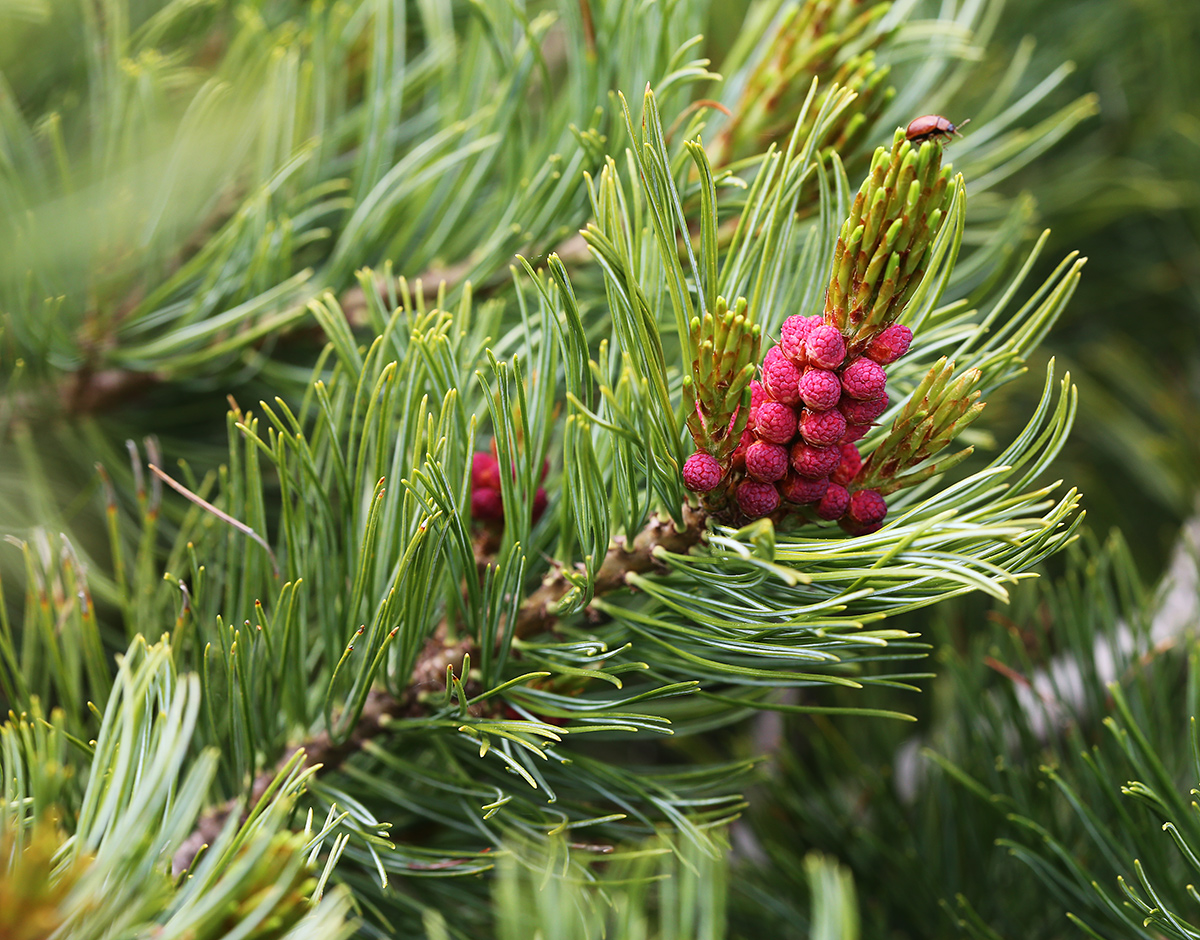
pixel 1124 191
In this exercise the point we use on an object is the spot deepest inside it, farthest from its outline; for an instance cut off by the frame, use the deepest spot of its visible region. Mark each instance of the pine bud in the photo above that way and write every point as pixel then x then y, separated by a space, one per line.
pixel 701 472
pixel 804 43
pixel 36 876
pixel 937 411
pixel 885 243
pixel 723 347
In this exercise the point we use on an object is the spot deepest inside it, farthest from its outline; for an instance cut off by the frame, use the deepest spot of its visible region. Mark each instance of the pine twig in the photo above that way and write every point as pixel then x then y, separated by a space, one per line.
pixel 537 614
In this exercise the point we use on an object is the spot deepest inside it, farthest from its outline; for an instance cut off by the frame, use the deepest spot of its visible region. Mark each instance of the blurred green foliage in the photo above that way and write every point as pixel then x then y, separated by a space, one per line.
pixel 1125 192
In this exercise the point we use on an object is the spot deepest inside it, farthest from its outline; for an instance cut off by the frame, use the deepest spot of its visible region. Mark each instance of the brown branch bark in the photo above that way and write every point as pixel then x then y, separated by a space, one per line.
pixel 537 612
pixel 536 615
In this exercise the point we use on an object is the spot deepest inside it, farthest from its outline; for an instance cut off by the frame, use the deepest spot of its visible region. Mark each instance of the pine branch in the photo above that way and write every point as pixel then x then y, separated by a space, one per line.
pixel 537 614
pixel 322 752
pixel 95 391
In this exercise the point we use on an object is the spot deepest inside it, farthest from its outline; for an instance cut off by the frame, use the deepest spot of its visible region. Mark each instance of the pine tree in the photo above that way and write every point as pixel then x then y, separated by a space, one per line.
pixel 475 281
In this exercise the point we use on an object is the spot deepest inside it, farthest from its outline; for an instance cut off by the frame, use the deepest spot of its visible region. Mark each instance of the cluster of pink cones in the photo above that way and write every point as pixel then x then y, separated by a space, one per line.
pixel 798 449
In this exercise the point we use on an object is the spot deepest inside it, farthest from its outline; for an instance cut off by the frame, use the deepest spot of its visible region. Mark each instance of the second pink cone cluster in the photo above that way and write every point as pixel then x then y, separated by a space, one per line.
pixel 487 505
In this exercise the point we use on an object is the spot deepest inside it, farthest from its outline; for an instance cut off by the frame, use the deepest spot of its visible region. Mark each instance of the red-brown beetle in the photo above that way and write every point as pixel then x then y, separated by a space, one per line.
pixel 929 126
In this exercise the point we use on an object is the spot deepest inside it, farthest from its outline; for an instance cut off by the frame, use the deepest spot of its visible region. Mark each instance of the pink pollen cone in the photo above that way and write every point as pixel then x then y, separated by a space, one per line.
pixel 848 466
pixel 796 489
pixel 757 499
pixel 863 379
pixel 820 389
pixel 766 462
pixel 855 432
pixel 793 335
pixel 826 347
pixel 862 412
pixel 486 504
pixel 867 507
pixel 775 422
pixel 833 503
pixel 890 345
pixel 701 472
pixel 814 462
pixel 485 470
pixel 781 379
pixel 822 428
pixel 757 393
